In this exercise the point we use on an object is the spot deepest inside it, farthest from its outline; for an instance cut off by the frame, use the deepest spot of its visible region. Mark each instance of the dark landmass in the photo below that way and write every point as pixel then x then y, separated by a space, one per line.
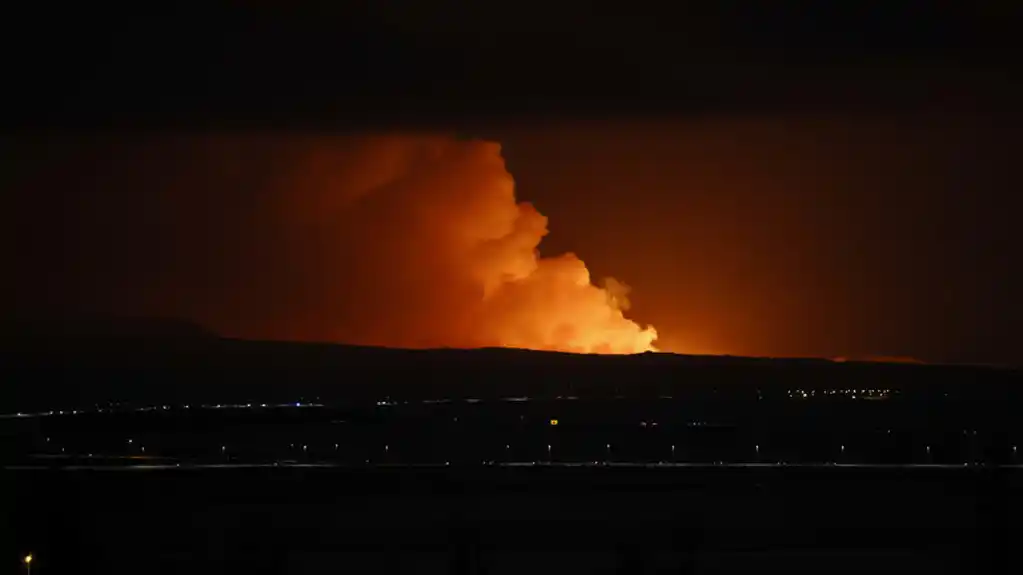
pixel 189 397
pixel 158 445
pixel 514 521
pixel 49 365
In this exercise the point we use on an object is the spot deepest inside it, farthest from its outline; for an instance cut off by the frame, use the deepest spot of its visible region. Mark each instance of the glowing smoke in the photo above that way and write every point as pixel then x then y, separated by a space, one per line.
pixel 435 251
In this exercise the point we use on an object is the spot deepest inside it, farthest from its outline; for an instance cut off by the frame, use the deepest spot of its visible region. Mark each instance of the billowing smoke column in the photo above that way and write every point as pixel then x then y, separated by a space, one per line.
pixel 438 253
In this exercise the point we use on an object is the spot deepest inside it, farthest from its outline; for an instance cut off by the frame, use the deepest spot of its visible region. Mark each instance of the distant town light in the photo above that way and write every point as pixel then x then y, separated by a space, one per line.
pixel 554 422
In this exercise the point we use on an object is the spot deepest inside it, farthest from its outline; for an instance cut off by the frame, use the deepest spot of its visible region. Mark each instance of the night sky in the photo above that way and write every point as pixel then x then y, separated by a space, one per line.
pixel 759 196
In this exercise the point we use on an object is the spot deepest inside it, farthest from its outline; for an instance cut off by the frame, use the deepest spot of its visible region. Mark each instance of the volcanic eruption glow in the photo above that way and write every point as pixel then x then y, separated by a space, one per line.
pixel 445 256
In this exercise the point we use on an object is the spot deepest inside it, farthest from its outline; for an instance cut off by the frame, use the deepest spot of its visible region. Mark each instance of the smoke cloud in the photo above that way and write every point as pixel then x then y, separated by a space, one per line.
pixel 422 243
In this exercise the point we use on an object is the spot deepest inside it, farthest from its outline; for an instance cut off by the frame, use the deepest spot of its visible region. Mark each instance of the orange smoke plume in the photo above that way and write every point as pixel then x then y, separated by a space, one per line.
pixel 439 253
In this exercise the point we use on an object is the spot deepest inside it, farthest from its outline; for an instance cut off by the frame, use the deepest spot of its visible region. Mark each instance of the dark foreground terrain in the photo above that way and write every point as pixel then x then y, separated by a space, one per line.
pixel 499 520
pixel 185 453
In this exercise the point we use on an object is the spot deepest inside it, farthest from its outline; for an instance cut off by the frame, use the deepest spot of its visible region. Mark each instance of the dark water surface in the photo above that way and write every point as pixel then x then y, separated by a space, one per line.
pixel 500 520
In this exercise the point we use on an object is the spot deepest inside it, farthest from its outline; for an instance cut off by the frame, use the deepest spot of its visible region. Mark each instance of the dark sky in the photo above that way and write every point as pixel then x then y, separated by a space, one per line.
pixel 773 190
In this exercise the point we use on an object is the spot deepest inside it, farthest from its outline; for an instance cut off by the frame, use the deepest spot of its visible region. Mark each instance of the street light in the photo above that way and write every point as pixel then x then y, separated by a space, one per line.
pixel 28 564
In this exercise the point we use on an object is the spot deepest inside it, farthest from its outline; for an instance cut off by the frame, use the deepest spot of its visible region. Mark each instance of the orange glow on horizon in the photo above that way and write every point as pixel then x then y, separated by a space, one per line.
pixel 448 256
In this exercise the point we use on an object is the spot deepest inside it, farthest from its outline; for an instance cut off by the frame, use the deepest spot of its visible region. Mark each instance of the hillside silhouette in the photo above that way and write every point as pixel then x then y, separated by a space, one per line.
pixel 86 360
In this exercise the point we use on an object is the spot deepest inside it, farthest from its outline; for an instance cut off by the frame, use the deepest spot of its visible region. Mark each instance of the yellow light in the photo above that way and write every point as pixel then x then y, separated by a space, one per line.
pixel 554 422
pixel 28 559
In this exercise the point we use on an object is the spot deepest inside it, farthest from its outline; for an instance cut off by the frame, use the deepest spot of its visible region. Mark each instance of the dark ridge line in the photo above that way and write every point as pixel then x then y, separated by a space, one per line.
pixel 201 340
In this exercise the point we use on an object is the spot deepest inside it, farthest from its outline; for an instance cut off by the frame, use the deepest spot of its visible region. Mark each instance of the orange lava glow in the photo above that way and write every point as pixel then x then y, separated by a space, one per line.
pixel 449 255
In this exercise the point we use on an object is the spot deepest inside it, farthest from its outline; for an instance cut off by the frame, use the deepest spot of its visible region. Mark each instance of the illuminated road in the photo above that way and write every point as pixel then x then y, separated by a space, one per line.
pixel 532 464
pixel 794 394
